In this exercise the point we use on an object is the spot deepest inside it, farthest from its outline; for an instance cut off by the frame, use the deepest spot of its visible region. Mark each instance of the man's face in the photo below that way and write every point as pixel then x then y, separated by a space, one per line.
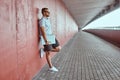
pixel 47 13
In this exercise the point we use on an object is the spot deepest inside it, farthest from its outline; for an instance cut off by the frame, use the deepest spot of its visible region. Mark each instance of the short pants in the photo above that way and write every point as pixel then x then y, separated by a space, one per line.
pixel 51 46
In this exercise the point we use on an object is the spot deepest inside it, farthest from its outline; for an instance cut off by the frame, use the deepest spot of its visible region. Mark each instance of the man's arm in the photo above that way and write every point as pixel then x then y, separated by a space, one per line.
pixel 44 34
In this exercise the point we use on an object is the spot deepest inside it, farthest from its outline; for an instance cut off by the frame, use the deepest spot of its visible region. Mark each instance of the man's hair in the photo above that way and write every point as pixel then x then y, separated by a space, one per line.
pixel 43 9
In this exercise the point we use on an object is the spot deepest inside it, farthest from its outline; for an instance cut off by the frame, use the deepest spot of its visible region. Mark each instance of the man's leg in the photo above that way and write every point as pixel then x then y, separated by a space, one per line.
pixel 51 67
pixel 48 58
pixel 56 49
pixel 56 46
pixel 47 49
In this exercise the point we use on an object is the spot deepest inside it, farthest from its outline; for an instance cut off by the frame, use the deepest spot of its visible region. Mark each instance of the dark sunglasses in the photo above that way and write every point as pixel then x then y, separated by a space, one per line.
pixel 47 11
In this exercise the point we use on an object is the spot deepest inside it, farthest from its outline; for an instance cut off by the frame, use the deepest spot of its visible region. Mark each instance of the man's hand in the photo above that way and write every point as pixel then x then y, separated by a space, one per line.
pixel 47 43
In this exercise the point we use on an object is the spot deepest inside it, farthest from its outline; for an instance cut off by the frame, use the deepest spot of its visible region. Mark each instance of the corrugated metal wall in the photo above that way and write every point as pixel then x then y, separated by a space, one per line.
pixel 19 58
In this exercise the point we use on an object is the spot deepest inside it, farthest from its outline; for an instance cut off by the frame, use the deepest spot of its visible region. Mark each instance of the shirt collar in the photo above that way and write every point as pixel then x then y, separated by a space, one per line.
pixel 46 17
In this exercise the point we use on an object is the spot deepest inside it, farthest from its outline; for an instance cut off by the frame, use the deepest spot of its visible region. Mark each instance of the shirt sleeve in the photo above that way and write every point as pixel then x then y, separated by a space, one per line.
pixel 42 23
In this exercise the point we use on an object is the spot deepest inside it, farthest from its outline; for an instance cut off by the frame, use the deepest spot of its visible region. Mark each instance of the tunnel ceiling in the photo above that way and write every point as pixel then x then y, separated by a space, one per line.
pixel 84 11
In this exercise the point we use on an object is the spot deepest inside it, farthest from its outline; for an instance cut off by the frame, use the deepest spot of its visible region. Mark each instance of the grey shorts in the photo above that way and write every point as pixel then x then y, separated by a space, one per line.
pixel 51 46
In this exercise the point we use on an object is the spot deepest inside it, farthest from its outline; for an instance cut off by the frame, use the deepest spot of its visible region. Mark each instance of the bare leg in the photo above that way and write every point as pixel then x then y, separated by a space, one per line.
pixel 48 59
pixel 57 49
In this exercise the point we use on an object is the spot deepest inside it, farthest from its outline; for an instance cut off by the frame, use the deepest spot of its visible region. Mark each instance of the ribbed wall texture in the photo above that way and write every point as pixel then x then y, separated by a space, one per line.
pixel 19 57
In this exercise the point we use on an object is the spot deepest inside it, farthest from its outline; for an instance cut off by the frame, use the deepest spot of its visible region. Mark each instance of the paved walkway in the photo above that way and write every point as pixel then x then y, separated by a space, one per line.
pixel 84 57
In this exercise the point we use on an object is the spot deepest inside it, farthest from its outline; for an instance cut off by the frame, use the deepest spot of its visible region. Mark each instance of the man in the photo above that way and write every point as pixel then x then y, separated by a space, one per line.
pixel 45 28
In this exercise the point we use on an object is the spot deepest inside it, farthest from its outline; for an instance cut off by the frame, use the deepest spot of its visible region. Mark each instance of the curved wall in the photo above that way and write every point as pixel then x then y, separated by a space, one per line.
pixel 109 35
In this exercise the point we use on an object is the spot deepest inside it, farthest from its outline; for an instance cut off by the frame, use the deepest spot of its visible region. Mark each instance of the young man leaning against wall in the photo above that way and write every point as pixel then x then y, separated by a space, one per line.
pixel 48 39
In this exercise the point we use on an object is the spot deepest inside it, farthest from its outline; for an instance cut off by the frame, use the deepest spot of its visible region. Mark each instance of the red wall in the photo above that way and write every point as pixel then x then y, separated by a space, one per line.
pixel 109 35
pixel 19 58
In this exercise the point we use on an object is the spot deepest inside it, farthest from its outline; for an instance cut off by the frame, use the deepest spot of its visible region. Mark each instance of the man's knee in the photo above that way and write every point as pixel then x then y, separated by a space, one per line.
pixel 47 53
pixel 59 48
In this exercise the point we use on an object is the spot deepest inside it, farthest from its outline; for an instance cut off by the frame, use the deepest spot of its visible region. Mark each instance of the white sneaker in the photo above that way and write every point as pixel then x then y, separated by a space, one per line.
pixel 42 52
pixel 53 69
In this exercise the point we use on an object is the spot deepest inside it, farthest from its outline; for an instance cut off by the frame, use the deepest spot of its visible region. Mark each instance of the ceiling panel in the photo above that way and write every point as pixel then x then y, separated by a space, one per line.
pixel 85 10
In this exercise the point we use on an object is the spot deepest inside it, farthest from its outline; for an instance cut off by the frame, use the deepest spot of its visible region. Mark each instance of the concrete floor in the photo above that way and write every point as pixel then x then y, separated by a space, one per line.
pixel 84 57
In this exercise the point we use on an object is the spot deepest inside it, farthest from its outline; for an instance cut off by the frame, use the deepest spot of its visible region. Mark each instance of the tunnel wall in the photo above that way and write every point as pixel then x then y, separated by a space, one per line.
pixel 107 34
pixel 19 54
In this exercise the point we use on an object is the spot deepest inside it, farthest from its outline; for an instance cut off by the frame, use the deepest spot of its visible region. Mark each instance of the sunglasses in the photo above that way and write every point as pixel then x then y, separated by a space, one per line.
pixel 47 11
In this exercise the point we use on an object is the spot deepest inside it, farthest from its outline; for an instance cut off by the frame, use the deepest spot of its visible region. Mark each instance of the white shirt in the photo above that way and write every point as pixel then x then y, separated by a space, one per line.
pixel 45 22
